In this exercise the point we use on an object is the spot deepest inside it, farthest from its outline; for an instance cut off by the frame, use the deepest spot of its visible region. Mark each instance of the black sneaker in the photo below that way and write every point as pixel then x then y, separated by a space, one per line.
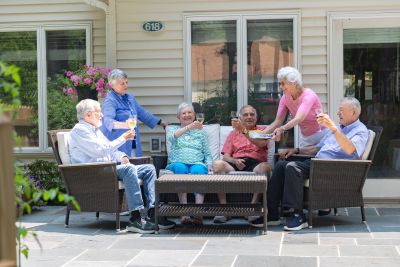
pixel 141 226
pixel 270 222
pixel 296 222
pixel 163 223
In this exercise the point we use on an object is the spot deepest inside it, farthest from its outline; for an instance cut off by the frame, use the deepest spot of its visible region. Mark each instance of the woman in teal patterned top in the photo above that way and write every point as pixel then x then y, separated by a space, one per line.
pixel 189 152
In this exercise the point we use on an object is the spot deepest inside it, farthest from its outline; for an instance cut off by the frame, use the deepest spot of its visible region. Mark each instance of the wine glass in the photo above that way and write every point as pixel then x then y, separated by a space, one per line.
pixel 200 117
pixel 234 114
pixel 132 121
pixel 319 111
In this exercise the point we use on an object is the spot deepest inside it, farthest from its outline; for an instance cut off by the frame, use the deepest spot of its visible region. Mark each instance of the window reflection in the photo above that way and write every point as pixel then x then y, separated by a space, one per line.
pixel 371 74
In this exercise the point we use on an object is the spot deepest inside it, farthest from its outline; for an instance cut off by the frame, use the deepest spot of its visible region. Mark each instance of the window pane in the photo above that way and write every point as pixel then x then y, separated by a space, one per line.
pixel 66 50
pixel 19 48
pixel 269 47
pixel 214 70
pixel 372 75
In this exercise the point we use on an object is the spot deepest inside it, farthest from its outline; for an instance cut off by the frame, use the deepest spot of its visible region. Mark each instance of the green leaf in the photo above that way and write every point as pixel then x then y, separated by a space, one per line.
pixel 61 198
pixel 25 251
pixel 23 232
pixel 46 195
pixel 53 193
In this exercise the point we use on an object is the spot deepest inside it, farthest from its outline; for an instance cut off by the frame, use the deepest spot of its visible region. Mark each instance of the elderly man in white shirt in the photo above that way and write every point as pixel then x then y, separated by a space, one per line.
pixel 88 144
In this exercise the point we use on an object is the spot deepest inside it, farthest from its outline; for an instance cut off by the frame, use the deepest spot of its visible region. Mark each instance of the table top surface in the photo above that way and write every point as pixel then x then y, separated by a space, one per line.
pixel 211 178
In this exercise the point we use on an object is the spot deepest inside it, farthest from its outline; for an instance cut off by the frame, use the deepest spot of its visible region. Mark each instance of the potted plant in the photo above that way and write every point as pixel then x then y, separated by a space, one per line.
pixel 87 82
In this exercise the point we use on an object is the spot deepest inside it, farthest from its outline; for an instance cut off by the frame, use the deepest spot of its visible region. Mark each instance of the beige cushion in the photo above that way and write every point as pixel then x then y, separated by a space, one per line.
pixel 367 150
pixel 212 131
pixel 223 134
pixel 63 139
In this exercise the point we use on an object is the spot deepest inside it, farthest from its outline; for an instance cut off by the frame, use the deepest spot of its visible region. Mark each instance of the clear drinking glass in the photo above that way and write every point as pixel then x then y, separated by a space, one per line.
pixel 234 114
pixel 132 121
pixel 319 111
pixel 200 117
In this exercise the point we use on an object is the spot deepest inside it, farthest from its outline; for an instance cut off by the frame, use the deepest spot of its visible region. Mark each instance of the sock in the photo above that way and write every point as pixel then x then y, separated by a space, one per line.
pixel 135 215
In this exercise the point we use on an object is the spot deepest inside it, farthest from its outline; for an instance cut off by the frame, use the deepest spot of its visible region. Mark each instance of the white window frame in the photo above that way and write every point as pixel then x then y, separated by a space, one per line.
pixel 40 30
pixel 241 35
pixel 337 22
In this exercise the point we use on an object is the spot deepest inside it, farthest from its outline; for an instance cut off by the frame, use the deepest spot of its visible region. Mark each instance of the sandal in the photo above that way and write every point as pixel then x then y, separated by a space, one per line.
pixel 186 220
pixel 197 220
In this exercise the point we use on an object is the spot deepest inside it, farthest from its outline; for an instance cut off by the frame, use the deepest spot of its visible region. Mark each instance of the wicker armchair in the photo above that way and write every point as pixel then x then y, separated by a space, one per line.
pixel 94 185
pixel 338 183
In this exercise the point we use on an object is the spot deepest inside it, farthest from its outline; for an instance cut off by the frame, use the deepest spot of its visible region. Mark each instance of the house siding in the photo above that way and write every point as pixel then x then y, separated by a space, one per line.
pixel 155 61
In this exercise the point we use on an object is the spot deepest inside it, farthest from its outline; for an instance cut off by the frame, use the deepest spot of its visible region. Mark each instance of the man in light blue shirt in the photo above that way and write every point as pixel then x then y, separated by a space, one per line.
pixel 88 144
pixel 345 141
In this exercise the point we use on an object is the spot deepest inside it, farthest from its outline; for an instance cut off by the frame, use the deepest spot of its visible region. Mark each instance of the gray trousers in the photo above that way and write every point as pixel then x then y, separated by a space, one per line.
pixel 286 186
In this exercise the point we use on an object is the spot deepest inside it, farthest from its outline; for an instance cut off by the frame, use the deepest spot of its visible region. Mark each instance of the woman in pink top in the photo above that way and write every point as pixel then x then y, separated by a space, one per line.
pixel 302 103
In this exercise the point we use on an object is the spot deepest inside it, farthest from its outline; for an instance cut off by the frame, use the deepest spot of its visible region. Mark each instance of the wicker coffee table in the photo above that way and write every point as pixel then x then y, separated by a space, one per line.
pixel 184 183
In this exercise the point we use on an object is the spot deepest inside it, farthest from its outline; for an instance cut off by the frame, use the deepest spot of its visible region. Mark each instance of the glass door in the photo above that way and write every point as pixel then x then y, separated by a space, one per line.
pixel 365 61
pixel 371 74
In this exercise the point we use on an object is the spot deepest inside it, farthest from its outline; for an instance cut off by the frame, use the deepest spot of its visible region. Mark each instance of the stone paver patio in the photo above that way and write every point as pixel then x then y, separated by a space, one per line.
pixel 333 241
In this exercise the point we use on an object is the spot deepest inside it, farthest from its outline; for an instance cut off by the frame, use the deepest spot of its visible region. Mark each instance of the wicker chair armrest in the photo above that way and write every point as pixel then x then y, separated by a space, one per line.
pixel 340 161
pixel 338 174
pixel 140 160
pixel 93 165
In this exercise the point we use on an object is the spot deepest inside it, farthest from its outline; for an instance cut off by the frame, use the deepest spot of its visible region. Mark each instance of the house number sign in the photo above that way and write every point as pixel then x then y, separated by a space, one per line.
pixel 152 26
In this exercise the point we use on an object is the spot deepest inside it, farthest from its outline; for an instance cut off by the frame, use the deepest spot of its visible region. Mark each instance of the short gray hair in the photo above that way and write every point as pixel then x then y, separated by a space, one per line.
pixel 85 106
pixel 291 75
pixel 247 106
pixel 352 101
pixel 115 75
pixel 182 106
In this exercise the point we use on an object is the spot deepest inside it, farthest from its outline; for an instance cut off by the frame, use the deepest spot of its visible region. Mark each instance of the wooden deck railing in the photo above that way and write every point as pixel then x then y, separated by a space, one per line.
pixel 7 195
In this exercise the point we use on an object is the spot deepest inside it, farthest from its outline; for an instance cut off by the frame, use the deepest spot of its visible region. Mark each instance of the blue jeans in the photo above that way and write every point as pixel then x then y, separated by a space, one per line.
pixel 183 168
pixel 130 175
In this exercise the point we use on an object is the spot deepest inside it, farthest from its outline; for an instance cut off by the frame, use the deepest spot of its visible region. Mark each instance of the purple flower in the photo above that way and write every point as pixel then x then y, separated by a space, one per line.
pixel 70 91
pixel 69 73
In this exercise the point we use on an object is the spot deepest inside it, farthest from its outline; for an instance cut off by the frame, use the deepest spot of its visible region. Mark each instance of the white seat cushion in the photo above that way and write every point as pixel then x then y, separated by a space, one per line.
pixel 367 150
pixel 212 131
pixel 63 139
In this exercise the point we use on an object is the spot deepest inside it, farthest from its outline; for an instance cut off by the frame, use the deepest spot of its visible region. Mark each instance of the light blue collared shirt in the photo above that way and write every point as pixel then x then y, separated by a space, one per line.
pixel 88 144
pixel 358 135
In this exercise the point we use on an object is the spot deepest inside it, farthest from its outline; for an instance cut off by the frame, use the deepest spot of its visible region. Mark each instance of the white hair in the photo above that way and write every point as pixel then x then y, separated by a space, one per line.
pixel 116 75
pixel 247 106
pixel 85 106
pixel 352 101
pixel 183 105
pixel 291 75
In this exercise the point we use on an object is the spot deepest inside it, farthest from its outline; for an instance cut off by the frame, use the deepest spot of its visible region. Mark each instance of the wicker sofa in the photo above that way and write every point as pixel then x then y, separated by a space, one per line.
pixel 217 135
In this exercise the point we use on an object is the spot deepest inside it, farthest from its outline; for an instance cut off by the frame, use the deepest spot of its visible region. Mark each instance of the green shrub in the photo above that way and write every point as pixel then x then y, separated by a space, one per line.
pixel 45 174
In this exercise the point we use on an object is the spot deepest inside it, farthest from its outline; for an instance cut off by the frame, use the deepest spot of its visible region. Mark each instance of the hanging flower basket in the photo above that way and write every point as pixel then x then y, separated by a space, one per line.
pixel 87 82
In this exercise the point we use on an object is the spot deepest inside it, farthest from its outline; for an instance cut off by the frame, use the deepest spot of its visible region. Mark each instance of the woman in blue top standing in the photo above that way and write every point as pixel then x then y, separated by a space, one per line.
pixel 189 153
pixel 118 106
